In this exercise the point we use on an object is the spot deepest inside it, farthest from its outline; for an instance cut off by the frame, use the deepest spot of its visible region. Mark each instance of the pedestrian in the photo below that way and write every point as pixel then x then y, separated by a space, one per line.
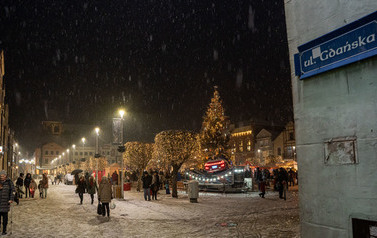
pixel 33 187
pixel 44 185
pixel 262 183
pixel 291 175
pixel 162 179
pixel 114 178
pixel 281 182
pixel 80 189
pixel 27 182
pixel 19 185
pixel 105 195
pixel 167 183
pixel 6 198
pixel 40 189
pixel 155 185
pixel 147 181
pixel 92 188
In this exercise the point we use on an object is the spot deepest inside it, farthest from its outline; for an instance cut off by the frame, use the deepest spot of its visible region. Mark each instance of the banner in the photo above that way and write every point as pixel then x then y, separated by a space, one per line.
pixel 117 131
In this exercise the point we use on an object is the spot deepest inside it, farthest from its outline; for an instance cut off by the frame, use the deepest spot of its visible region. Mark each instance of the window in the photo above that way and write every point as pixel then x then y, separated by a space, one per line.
pixel 80 153
pixel 56 129
pixel 46 152
pixel 76 153
pixel 108 152
pixel 241 146
pixel 51 152
pixel 249 145
pixel 57 152
pixel 90 153
pixel 291 136
pixel 279 151
pixel 46 161
pixel 85 153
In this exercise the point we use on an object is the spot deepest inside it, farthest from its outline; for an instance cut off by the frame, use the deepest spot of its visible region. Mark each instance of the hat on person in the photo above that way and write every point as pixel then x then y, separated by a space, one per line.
pixel 3 172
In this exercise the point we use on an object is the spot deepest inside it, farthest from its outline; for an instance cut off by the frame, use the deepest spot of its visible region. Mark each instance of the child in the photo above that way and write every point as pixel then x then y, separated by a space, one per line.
pixel 40 188
pixel 33 186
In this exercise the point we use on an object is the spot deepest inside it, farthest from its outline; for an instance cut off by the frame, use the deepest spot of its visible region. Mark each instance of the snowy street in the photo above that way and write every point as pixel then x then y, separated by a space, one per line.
pixel 216 215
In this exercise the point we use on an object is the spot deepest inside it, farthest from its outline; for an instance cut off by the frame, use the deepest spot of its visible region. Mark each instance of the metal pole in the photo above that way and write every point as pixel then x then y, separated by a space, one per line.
pixel 96 158
pixel 121 174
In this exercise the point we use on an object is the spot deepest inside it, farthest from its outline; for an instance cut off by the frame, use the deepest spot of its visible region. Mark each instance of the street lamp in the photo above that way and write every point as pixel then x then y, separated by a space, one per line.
pixel 83 146
pixel 96 155
pixel 294 153
pixel 73 152
pixel 121 149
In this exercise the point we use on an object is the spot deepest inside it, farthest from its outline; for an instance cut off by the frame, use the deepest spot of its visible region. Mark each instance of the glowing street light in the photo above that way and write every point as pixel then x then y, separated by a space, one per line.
pixel 96 155
pixel 73 151
pixel 83 146
pixel 121 149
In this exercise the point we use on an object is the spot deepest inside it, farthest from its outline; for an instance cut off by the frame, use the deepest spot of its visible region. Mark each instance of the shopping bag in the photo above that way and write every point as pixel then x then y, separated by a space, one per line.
pixel 112 205
pixel 99 209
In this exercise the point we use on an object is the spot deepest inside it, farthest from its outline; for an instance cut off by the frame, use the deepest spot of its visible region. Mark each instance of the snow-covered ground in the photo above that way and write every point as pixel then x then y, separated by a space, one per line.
pixel 215 215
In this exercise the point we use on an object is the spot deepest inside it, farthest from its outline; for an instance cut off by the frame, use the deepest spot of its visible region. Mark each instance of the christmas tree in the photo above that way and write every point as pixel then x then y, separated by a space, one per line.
pixel 213 139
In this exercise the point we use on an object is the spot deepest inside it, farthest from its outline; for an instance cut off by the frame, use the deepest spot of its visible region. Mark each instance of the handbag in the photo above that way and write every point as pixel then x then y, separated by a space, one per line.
pixel 112 205
pixel 99 208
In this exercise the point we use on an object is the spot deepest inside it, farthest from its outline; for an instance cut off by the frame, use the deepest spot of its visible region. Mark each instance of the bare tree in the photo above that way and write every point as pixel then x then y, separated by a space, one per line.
pixel 176 148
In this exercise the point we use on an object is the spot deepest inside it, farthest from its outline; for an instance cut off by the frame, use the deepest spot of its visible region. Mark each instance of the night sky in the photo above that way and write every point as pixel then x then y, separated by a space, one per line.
pixel 78 61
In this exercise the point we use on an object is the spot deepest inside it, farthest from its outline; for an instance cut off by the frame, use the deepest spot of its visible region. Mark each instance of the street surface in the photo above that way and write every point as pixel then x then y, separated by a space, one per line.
pixel 216 215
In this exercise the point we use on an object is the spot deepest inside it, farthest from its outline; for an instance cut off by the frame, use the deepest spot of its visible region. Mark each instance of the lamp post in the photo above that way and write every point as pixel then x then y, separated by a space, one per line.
pixel 96 155
pixel 73 152
pixel 121 149
pixel 260 155
pixel 83 146
pixel 294 153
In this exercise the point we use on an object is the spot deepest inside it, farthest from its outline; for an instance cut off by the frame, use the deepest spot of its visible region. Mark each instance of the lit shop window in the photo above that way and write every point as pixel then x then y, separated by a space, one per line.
pixel 241 146
pixel 249 146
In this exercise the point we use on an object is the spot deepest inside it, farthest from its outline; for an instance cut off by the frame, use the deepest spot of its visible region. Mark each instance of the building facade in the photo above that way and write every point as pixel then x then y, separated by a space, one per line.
pixel 242 145
pixel 335 118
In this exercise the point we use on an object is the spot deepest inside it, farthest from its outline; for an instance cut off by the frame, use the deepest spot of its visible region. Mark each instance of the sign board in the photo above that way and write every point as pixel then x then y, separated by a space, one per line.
pixel 348 44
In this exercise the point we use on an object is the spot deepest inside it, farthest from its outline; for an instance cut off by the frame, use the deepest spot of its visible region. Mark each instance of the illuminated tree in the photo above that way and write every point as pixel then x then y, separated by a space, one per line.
pixel 213 140
pixel 137 156
pixel 176 148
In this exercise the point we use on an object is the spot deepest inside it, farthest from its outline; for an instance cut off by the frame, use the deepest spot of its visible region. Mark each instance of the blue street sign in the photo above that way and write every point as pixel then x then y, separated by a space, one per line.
pixel 351 43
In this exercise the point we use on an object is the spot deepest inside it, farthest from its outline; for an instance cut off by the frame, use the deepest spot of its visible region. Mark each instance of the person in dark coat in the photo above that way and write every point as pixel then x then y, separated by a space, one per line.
pixel 281 183
pixel 80 189
pixel 6 198
pixel 92 188
pixel 27 182
pixel 114 178
pixel 147 181
pixel 20 184
pixel 155 185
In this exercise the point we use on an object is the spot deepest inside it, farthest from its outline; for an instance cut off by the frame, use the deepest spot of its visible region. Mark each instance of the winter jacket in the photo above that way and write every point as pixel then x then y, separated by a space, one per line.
pixel 27 180
pixel 105 191
pixel 6 194
pixel 81 185
pixel 114 177
pixel 155 183
pixel 20 182
pixel 33 185
pixel 92 188
pixel 147 181
pixel 44 182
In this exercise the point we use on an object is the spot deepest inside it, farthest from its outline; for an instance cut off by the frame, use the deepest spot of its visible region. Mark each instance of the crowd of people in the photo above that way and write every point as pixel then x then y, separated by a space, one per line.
pixel 281 179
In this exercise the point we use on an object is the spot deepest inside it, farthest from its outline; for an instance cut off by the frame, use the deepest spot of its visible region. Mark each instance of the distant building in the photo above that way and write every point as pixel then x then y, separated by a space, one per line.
pixel 241 144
